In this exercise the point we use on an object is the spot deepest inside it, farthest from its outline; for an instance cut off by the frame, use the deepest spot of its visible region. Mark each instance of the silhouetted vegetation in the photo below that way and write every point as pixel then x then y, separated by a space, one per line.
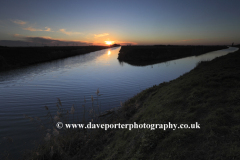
pixel 146 55
pixel 115 45
pixel 3 46
pixel 237 45
pixel 14 57
pixel 209 95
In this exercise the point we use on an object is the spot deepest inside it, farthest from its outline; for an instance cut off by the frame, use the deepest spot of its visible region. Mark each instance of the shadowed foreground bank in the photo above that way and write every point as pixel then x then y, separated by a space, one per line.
pixel 15 57
pixel 147 55
pixel 209 95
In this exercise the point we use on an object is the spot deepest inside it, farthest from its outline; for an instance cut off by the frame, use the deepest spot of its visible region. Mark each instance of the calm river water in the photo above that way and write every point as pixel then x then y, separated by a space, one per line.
pixel 28 90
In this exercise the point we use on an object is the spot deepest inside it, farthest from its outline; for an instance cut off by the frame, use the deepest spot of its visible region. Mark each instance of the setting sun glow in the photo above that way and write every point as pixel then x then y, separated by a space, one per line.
pixel 109 42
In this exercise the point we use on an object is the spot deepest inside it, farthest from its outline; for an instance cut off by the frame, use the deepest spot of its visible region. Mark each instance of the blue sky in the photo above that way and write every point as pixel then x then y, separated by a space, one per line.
pixel 137 22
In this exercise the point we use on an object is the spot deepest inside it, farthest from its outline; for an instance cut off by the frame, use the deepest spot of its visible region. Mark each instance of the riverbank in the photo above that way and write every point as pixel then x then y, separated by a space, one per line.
pixel 147 55
pixel 15 57
pixel 209 95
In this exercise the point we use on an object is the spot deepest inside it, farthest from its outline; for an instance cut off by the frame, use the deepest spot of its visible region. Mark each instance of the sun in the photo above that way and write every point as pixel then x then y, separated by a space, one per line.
pixel 109 42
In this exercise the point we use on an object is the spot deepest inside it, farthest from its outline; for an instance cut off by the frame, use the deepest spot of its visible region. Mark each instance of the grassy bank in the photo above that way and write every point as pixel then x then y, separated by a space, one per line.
pixel 146 55
pixel 15 57
pixel 209 95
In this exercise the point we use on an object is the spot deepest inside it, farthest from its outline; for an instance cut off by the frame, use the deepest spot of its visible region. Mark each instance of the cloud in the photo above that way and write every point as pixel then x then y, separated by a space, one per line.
pixel 54 42
pixel 19 36
pixel 12 43
pixel 126 43
pixel 16 35
pixel 47 29
pixel 68 33
pixel 42 41
pixel 19 22
pixel 32 29
pixel 100 35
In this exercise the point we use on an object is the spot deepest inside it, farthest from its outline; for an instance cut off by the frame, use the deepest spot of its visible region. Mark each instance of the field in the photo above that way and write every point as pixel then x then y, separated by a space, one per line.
pixel 147 55
pixel 15 57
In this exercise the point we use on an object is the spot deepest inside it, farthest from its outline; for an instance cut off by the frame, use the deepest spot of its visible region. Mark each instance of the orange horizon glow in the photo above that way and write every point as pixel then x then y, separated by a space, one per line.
pixel 109 42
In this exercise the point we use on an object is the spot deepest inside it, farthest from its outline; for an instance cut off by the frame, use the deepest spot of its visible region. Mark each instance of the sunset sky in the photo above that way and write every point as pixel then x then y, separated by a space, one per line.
pixel 136 22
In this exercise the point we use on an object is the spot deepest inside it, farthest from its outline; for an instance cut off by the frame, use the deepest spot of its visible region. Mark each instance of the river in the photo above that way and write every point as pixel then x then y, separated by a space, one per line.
pixel 29 89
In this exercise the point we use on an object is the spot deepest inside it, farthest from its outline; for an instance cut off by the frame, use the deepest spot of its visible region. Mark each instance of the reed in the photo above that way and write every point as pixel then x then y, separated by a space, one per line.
pixel 7 142
pixel 60 143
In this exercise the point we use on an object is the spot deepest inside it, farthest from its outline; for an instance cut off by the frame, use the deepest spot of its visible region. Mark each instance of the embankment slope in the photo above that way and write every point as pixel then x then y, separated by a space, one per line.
pixel 209 95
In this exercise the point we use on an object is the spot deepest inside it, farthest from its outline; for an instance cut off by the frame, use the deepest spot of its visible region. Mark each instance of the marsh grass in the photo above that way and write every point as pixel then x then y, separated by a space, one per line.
pixel 7 142
pixel 64 143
